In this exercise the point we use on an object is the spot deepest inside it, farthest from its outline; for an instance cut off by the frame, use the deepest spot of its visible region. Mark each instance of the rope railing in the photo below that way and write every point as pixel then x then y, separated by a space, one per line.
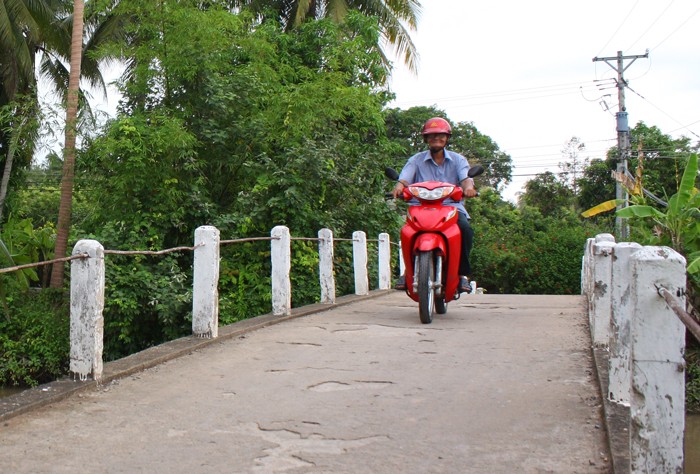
pixel 246 239
pixel 690 323
pixel 41 264
pixel 151 252
pixel 165 251
pixel 88 283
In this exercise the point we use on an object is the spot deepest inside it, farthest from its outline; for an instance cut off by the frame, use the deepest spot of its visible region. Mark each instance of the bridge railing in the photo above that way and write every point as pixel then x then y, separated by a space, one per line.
pixel 645 342
pixel 87 285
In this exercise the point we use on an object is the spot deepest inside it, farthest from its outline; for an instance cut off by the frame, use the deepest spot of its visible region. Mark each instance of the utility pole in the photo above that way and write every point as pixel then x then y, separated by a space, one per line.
pixel 623 131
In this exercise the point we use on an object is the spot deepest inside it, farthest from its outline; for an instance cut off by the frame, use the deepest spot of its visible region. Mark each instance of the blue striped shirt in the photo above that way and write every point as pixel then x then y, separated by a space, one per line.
pixel 422 167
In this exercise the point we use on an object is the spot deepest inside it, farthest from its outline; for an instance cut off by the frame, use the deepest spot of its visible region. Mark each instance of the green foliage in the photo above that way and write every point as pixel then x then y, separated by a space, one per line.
pixel 664 158
pixel 148 301
pixel 145 163
pixel 394 19
pixel 548 194
pixel 38 201
pixel 304 273
pixel 678 225
pixel 692 377
pixel 34 343
pixel 19 124
pixel 404 129
pixel 244 281
pixel 237 124
pixel 232 121
pixel 596 186
pixel 481 149
pixel 523 252
pixel 20 244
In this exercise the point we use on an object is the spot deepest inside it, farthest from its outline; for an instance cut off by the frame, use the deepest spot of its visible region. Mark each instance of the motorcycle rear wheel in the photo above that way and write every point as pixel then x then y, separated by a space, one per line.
pixel 426 290
pixel 440 305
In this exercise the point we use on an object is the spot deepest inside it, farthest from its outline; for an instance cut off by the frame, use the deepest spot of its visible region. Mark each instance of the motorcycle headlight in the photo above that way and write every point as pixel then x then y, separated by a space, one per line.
pixel 431 194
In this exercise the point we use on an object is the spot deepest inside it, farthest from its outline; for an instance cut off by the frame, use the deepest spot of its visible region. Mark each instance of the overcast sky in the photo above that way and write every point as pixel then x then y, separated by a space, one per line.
pixel 523 72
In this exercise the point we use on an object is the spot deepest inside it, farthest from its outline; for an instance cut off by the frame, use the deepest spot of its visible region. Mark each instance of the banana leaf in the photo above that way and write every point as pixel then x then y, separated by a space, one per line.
pixel 640 211
pixel 602 207
pixel 686 191
pixel 693 263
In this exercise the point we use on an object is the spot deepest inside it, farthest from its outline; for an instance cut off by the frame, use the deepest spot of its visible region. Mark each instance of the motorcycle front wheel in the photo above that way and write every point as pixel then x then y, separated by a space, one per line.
pixel 426 290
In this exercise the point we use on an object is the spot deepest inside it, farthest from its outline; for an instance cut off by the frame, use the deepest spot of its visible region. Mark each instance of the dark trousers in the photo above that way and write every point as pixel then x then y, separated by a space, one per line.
pixel 467 242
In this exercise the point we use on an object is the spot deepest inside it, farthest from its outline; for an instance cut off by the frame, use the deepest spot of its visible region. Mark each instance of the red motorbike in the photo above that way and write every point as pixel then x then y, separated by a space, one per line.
pixel 430 242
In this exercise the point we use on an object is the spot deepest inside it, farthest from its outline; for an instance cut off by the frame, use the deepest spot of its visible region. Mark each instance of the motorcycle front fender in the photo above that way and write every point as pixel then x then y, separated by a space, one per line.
pixel 429 241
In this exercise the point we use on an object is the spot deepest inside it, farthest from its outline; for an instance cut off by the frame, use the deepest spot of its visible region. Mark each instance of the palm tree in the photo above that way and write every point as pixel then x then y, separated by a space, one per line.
pixel 22 24
pixel 395 16
pixel 64 210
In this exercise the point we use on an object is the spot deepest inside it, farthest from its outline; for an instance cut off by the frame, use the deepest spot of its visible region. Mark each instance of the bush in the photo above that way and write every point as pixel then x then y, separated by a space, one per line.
pixel 692 376
pixel 148 301
pixel 244 281
pixel 34 338
pixel 522 252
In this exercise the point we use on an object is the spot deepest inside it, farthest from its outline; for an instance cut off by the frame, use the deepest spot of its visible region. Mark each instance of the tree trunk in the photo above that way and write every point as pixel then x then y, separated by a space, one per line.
pixel 64 210
pixel 15 133
pixel 6 175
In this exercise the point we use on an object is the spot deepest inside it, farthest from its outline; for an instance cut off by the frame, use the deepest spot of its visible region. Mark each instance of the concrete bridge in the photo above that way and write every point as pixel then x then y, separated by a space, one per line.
pixel 498 384
pixel 502 383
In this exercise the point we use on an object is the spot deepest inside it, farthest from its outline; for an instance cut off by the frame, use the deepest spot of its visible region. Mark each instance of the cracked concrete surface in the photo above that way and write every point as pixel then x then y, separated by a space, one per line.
pixel 498 384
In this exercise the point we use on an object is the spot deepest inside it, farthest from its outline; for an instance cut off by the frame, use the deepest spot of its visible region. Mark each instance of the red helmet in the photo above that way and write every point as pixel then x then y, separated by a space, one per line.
pixel 436 125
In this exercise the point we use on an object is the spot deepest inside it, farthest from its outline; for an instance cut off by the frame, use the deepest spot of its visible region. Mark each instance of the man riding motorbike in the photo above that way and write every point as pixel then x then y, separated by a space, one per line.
pixel 439 164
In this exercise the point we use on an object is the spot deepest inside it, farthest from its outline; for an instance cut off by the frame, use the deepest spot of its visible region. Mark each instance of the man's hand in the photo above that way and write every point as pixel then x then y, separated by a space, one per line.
pixel 398 190
pixel 468 188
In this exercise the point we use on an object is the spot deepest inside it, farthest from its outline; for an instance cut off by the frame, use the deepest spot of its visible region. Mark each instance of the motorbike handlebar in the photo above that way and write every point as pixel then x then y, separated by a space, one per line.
pixel 390 195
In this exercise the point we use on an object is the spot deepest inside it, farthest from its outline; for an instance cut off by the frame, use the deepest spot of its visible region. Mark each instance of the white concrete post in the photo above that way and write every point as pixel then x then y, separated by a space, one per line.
pixel 281 266
pixel 620 319
pixel 600 301
pixel 587 271
pixel 359 258
pixel 657 405
pixel 604 238
pixel 384 261
pixel 87 298
pixel 205 283
pixel 325 266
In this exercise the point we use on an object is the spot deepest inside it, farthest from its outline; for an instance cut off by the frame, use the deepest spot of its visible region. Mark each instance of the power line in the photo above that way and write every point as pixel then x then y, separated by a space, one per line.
pixel 512 91
pixel 663 112
pixel 677 29
pixel 513 94
pixel 634 7
pixel 651 26
pixel 560 144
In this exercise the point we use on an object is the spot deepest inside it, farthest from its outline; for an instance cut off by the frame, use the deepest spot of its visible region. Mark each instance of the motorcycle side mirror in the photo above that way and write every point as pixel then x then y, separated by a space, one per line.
pixel 475 171
pixel 391 173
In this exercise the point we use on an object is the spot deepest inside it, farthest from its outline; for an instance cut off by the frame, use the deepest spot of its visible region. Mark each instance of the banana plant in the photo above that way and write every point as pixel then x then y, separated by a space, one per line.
pixel 679 225
pixel 20 244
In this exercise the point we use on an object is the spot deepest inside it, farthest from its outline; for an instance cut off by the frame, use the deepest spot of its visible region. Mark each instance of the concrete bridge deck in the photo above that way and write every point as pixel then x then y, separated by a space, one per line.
pixel 498 384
